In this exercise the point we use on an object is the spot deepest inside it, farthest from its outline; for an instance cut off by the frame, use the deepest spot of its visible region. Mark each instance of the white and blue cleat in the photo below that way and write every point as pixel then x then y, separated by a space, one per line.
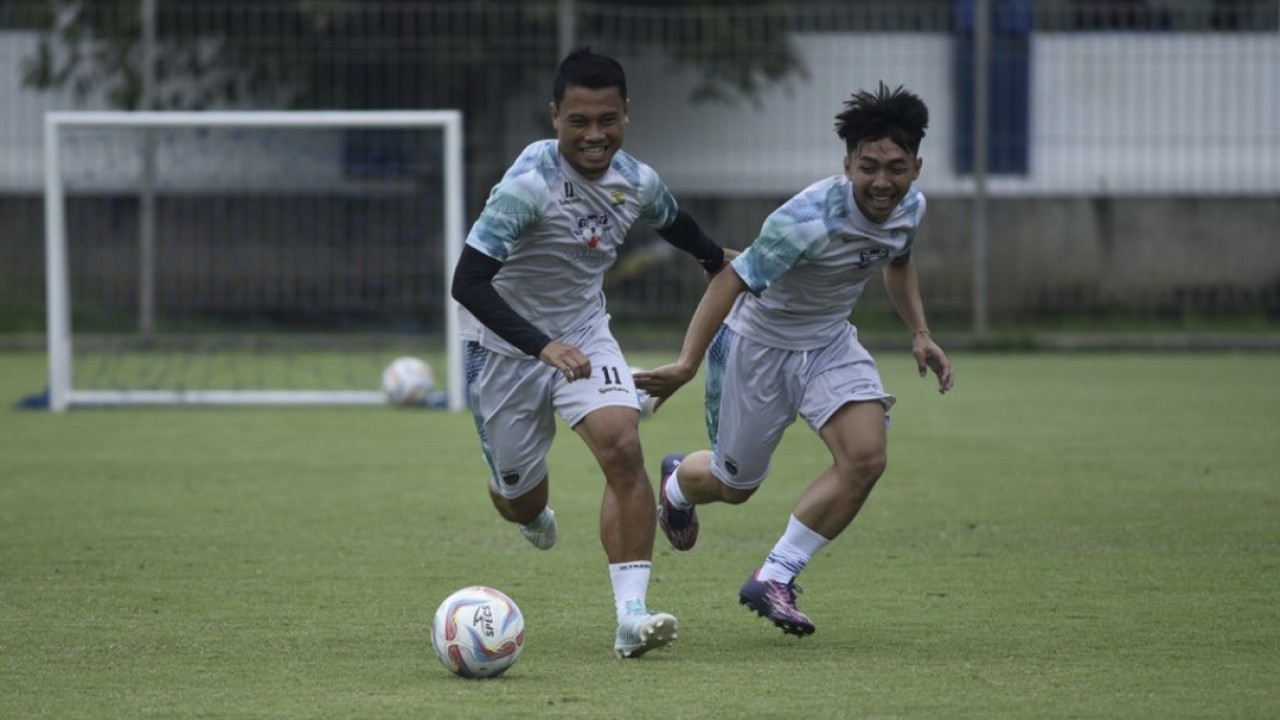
pixel 640 631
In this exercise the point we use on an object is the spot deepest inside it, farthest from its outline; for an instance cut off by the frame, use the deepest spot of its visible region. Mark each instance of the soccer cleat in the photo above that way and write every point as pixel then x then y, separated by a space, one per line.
pixel 640 631
pixel 680 526
pixel 542 531
pixel 777 602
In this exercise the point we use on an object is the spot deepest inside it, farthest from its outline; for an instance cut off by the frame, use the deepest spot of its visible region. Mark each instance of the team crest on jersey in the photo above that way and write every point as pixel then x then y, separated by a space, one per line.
pixel 592 229
pixel 617 197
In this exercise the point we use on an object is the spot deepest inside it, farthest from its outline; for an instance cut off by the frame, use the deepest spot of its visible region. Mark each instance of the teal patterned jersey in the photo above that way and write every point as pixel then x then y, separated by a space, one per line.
pixel 556 233
pixel 811 262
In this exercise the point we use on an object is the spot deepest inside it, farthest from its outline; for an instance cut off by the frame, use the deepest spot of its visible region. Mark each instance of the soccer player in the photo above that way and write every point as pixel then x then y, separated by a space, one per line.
pixel 538 344
pixel 778 342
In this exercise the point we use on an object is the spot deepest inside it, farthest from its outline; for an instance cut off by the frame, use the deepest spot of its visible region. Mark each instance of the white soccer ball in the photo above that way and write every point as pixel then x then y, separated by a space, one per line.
pixel 408 381
pixel 646 400
pixel 478 632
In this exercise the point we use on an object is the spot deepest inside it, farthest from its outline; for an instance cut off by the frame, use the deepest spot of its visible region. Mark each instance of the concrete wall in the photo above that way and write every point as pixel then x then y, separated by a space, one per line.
pixel 1047 255
pixel 1073 255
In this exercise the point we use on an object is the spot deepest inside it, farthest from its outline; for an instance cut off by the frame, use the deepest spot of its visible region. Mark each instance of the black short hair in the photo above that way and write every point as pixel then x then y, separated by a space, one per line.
pixel 898 115
pixel 584 68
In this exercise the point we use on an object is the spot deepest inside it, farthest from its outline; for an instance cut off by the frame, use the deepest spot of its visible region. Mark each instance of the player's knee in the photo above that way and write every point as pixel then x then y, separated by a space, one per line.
pixel 864 468
pixel 735 496
pixel 620 451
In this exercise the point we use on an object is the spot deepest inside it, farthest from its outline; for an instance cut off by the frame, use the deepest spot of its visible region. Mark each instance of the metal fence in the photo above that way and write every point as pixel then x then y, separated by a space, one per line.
pixel 1133 148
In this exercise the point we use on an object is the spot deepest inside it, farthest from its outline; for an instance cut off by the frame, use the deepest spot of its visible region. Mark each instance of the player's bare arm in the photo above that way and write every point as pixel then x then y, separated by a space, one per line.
pixel 662 382
pixel 729 255
pixel 903 287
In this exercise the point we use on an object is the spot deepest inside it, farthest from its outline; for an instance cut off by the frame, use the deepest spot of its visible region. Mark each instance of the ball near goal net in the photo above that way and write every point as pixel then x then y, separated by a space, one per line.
pixel 250 257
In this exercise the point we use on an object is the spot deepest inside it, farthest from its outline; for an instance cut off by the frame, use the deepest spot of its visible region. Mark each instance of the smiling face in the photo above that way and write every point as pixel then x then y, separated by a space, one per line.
pixel 882 173
pixel 590 125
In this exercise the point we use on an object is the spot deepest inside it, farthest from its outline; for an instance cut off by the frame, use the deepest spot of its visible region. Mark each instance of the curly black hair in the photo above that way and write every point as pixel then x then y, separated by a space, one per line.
pixel 898 115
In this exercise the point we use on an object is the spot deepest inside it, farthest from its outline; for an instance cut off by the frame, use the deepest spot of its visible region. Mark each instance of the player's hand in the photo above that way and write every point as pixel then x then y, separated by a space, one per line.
pixel 930 357
pixel 569 360
pixel 662 382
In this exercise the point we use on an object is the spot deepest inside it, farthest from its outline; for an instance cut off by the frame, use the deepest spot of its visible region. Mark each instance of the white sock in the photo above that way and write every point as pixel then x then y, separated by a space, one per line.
pixel 630 583
pixel 674 495
pixel 794 550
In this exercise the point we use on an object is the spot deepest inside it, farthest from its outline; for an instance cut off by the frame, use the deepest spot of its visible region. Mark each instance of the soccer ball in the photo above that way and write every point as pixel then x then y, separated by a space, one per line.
pixel 408 381
pixel 478 632
pixel 646 400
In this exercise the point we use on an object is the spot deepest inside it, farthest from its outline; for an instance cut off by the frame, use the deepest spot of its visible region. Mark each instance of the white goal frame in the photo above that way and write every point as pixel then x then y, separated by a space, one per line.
pixel 62 392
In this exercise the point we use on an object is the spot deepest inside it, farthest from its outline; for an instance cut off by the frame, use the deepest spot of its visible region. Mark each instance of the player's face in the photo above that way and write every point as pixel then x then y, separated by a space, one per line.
pixel 882 174
pixel 590 125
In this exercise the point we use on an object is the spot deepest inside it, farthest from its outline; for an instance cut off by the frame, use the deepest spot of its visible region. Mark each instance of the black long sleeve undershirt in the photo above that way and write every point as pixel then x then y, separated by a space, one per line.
pixel 473 284
pixel 473 289
pixel 685 234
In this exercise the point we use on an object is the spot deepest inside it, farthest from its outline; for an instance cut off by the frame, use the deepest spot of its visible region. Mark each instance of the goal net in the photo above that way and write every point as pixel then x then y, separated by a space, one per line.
pixel 249 257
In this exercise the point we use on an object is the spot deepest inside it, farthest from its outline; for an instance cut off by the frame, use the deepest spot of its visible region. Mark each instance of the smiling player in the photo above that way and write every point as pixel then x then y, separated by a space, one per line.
pixel 530 280
pixel 776 332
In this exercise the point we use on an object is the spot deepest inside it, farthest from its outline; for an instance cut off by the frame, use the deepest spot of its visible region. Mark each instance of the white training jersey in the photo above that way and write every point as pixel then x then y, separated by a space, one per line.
pixel 811 262
pixel 557 233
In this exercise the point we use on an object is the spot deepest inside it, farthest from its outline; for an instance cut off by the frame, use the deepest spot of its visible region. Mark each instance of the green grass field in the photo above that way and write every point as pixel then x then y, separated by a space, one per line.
pixel 1064 536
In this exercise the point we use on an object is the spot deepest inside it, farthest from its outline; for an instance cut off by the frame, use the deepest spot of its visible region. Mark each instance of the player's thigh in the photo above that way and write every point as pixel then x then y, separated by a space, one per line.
pixel 838 374
pixel 610 384
pixel 856 435
pixel 758 395
pixel 510 401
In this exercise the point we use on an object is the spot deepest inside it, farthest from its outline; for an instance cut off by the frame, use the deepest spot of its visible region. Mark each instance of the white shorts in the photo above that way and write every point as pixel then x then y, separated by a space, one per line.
pixel 514 401
pixel 755 392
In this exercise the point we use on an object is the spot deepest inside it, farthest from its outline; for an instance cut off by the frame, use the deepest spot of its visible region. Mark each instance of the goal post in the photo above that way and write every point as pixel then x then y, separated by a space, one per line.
pixel 291 173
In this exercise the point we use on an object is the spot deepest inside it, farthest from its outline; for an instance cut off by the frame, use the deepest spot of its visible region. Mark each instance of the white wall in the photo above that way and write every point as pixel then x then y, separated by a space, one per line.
pixel 1111 113
pixel 788 141
pixel 1151 113
pixel 21 116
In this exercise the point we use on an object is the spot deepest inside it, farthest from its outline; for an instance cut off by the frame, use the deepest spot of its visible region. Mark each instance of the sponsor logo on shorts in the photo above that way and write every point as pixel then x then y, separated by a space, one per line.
pixel 731 465
pixel 612 389
pixel 511 477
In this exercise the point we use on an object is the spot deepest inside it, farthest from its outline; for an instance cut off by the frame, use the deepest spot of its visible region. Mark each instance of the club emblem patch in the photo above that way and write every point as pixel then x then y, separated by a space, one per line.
pixel 592 229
